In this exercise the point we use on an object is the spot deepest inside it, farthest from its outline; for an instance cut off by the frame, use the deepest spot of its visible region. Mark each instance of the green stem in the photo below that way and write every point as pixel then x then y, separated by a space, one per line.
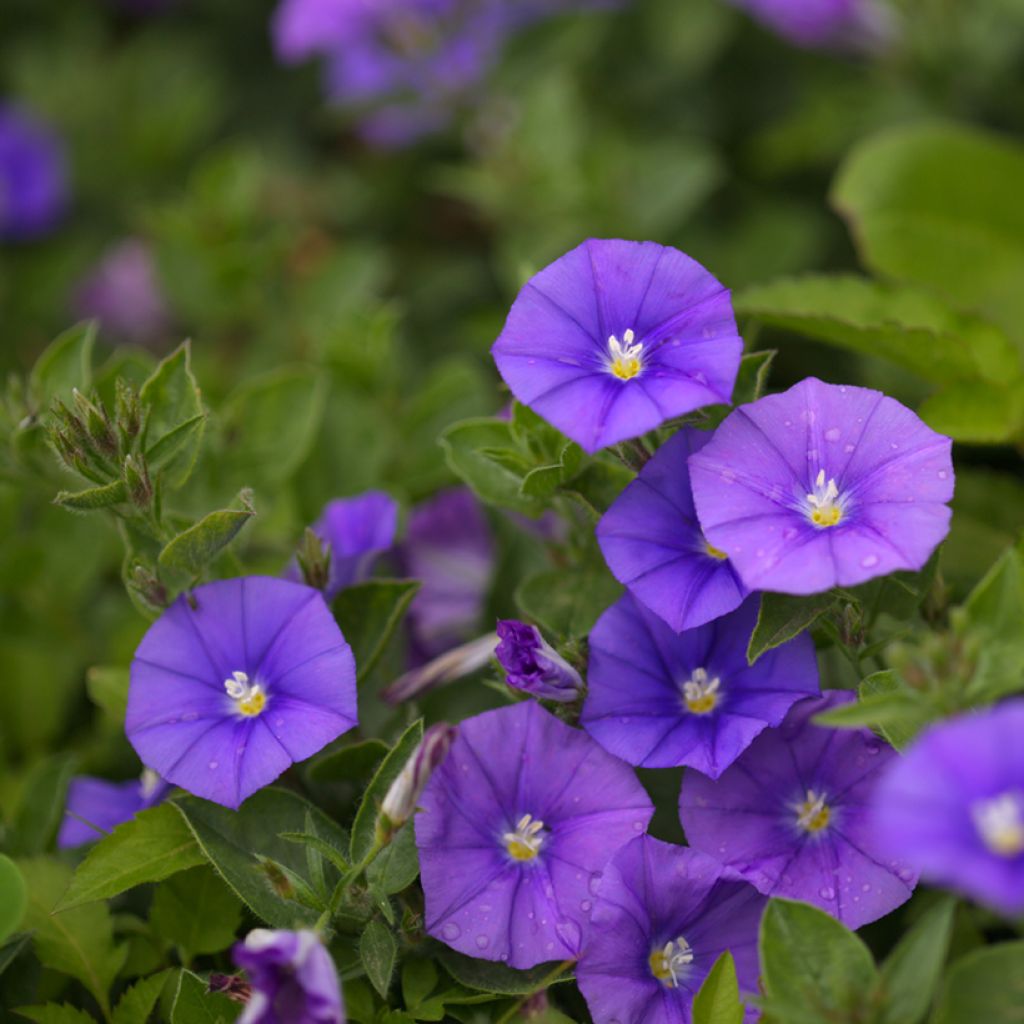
pixel 380 840
pixel 546 982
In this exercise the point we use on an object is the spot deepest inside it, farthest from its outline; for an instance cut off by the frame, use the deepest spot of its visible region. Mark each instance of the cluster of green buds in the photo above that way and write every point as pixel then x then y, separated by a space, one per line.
pixel 104 449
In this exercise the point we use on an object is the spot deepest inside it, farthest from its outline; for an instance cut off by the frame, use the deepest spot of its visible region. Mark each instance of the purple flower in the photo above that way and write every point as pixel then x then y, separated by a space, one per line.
pixel 662 917
pixel 358 530
pixel 659 699
pixel 96 806
pixel 823 485
pixel 653 543
pixel 824 23
pixel 402 798
pixel 33 176
pixel 533 666
pixel 615 338
pixel 792 816
pixel 448 547
pixel 293 979
pixel 953 806
pixel 237 680
pixel 124 294
pixel 516 826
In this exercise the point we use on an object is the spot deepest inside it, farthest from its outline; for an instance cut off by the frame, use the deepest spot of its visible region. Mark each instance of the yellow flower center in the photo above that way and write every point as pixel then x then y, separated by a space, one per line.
pixel 525 842
pixel 824 505
pixel 250 698
pixel 813 813
pixel 667 963
pixel 701 693
pixel 624 356
pixel 1000 823
pixel 712 552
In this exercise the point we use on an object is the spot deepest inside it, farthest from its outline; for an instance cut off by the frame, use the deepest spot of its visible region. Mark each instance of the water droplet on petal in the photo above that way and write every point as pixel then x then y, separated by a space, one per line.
pixel 832 434
pixel 827 893
pixel 213 765
pixel 943 474
pixel 869 560
pixel 451 931
pixel 482 942
pixel 847 448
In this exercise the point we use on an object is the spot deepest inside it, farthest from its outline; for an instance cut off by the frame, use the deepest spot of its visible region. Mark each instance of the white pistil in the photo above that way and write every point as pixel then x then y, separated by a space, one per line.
pixel 812 815
pixel 701 693
pixel 824 507
pixel 667 963
pixel 624 356
pixel 525 843
pixel 148 783
pixel 1000 823
pixel 250 698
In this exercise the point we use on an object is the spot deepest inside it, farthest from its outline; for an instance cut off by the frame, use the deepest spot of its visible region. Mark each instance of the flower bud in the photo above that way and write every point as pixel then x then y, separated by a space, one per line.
pixel 533 665
pixel 404 794
pixel 314 558
pixel 454 664
pixel 136 478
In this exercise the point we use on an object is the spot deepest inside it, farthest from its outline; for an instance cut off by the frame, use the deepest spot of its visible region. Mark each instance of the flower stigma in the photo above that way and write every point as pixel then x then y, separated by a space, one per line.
pixel 524 844
pixel 624 356
pixel 250 698
pixel 701 693
pixel 813 814
pixel 712 552
pixel 667 963
pixel 825 508
pixel 1000 823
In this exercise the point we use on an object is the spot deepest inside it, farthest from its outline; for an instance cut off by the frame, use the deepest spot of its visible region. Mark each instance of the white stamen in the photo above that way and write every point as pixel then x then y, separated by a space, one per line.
pixel 700 692
pixel 825 508
pixel 624 356
pixel 813 813
pixel 526 841
pixel 250 698
pixel 1000 823
pixel 667 963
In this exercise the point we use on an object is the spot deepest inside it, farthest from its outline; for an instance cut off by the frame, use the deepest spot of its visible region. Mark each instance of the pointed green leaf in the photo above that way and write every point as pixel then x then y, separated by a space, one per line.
pixel 65 364
pixel 194 1004
pixel 567 602
pixel 984 987
pixel 194 549
pixel 154 845
pixel 94 498
pixel 196 911
pixel 378 951
pixel 13 897
pixel 718 1000
pixel 782 617
pixel 490 976
pixel 41 805
pixel 369 613
pixel 137 1002
pixel 55 1013
pixel 171 401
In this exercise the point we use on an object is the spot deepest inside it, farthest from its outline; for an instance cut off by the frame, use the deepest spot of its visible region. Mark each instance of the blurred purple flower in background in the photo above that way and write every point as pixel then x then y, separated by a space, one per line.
pixel 34 191
pixel 449 549
pixel 358 530
pixel 659 699
pixel 123 292
pixel 237 680
pixel 653 543
pixel 823 485
pixel 105 805
pixel 831 24
pixel 293 977
pixel 792 816
pixel 516 826
pixel 662 916
pixel 614 338
pixel 533 665
pixel 953 806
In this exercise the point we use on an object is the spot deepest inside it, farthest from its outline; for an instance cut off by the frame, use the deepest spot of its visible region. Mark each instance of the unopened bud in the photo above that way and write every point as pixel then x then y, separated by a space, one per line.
pixel 445 668
pixel 314 558
pixel 97 423
pixel 147 588
pixel 231 985
pixel 127 410
pixel 404 794
pixel 532 665
pixel 136 478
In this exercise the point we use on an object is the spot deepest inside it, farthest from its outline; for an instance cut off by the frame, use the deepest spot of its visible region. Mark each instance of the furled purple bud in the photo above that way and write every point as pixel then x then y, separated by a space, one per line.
pixel 533 665
pixel 293 978
pixel 402 798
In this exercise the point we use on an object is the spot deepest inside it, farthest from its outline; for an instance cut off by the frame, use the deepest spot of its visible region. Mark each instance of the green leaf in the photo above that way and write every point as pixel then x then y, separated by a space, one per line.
pixel 11 949
pixel 364 825
pixel 984 987
pixel 782 617
pixel 175 417
pixel 976 412
pixel 154 845
pixel 65 364
pixel 913 969
pixel 493 977
pixel 40 805
pixel 378 951
pixel 94 498
pixel 196 911
pixel 419 979
pixel 996 604
pixel 752 377
pixel 467 446
pixel 13 897
pixel 938 205
pixel 78 942
pixel 56 1013
pixel 239 843
pixel 567 602
pixel 369 613
pixel 718 1000
pixel 813 968
pixel 885 703
pixel 350 763
pixel 137 1003
pixel 905 326
pixel 195 548
pixel 193 1004
pixel 320 846
pixel 397 866
pixel 107 687
pixel 270 423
